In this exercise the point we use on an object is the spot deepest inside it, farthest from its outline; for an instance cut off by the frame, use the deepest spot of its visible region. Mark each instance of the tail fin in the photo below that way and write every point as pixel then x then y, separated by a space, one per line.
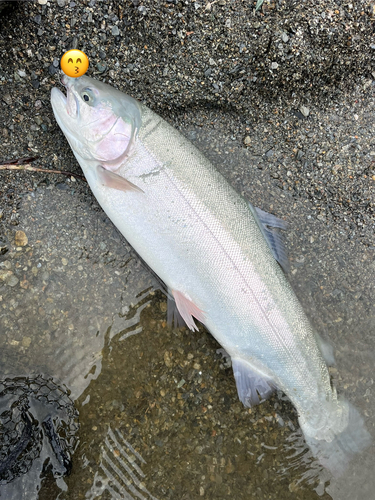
pixel 348 440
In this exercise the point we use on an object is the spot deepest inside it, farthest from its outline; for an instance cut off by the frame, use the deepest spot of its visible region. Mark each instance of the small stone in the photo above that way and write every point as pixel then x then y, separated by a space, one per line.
pixel 20 239
pixel 115 31
pixel 284 37
pixel 196 366
pixel 101 67
pixel 24 284
pixel 162 393
pixel 229 469
pixel 52 69
pixel 247 140
pixel 5 275
pixel 181 383
pixel 12 281
pixel 274 65
pixel 42 2
pixel 64 261
pixel 61 3
pixel 167 359
pixel 163 307
pixel 305 111
pixel 367 84
pixel 7 99
pixel 26 341
pixel 22 73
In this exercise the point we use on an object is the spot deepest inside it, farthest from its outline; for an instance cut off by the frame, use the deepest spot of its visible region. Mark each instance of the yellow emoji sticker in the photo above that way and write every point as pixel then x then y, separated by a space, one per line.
pixel 74 63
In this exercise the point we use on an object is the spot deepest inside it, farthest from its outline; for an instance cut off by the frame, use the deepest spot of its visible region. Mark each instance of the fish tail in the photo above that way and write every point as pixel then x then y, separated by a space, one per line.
pixel 347 436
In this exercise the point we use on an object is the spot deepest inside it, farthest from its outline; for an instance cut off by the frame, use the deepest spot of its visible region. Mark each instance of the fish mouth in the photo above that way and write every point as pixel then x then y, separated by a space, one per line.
pixel 58 99
pixel 65 104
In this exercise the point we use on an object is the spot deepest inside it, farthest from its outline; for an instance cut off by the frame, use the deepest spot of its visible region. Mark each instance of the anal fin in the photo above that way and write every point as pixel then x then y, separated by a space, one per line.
pixel 115 181
pixel 251 387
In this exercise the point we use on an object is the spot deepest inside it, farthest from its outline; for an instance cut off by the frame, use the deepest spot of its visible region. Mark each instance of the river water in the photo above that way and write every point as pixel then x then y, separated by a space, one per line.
pixel 159 416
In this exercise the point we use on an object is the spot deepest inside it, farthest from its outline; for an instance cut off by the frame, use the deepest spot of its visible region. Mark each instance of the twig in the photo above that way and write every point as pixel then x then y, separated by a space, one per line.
pixel 18 165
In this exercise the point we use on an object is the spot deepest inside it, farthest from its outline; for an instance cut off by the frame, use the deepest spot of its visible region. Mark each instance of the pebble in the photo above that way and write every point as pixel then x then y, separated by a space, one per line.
pixel 7 99
pixel 5 275
pixel 305 111
pixel 163 306
pixel 115 31
pixel 247 140
pixel 167 359
pixel 20 239
pixel 26 341
pixel 101 67
pixel 12 280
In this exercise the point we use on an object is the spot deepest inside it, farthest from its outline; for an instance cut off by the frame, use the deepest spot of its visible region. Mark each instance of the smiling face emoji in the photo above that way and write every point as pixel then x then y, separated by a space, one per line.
pixel 74 63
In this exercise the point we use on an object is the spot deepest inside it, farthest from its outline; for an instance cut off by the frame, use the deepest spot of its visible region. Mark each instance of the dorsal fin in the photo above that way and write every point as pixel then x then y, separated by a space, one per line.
pixel 267 224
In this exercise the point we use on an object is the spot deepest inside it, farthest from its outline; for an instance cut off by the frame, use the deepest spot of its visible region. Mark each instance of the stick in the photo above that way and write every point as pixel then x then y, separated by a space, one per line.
pixel 20 166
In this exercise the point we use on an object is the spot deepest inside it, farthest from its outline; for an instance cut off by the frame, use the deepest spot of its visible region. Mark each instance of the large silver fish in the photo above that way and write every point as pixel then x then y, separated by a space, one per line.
pixel 213 250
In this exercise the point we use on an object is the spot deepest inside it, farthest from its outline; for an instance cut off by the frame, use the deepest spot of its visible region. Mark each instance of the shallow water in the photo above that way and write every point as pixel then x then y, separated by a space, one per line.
pixel 158 409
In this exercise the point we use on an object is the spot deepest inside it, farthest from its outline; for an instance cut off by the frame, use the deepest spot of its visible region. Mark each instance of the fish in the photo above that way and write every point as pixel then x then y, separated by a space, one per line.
pixel 220 258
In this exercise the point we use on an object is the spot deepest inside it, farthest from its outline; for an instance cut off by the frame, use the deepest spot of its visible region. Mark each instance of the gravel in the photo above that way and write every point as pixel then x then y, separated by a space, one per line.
pixel 283 102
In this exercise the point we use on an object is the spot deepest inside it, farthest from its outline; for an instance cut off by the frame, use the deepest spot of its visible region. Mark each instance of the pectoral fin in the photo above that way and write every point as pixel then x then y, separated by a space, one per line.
pixel 188 310
pixel 115 181
pixel 251 386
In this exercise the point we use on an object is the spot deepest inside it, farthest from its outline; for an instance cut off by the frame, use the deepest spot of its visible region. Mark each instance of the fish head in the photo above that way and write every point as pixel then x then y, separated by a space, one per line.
pixel 99 122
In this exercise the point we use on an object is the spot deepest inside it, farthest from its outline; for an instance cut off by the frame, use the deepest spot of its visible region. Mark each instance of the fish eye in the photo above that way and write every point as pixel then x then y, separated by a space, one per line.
pixel 87 95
